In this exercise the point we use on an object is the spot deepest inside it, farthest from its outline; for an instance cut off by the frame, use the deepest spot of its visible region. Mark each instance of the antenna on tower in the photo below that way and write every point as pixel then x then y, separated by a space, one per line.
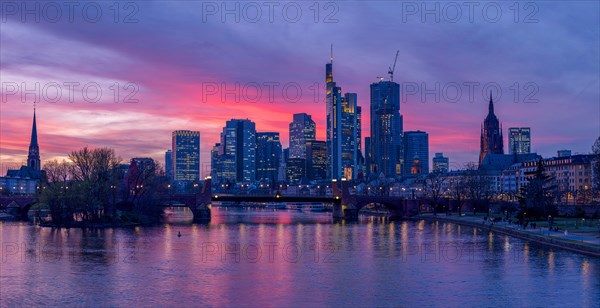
pixel 331 54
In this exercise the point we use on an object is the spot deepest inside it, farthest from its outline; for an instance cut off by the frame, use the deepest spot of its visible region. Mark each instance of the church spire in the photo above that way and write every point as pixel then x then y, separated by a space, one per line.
pixel 33 132
pixel 33 159
pixel 491 134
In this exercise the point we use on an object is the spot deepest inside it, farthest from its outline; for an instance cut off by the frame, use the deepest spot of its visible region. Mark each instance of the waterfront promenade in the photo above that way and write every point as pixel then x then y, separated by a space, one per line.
pixel 587 243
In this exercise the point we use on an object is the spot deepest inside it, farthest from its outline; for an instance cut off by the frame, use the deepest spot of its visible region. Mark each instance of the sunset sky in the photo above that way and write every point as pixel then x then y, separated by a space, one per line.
pixel 180 58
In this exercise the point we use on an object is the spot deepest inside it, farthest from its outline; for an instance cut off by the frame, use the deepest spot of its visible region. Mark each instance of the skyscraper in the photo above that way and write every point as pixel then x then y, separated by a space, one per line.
pixel 519 140
pixel 440 163
pixel 295 169
pixel 169 164
pixel 333 102
pixel 368 158
pixel 386 129
pixel 491 134
pixel 316 160
pixel 285 155
pixel 351 154
pixel 343 130
pixel 416 153
pixel 186 155
pixel 223 167
pixel 563 153
pixel 237 149
pixel 268 155
pixel 302 129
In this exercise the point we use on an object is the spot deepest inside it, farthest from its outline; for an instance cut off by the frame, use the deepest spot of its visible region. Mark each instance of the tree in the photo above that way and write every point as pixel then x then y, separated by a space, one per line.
pixel 142 183
pixel 535 199
pixel 458 191
pixel 93 173
pixel 433 185
pixel 54 191
pixel 478 187
pixel 80 189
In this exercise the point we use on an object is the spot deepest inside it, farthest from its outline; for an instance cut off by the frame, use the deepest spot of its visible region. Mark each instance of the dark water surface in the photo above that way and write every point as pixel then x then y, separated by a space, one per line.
pixel 250 257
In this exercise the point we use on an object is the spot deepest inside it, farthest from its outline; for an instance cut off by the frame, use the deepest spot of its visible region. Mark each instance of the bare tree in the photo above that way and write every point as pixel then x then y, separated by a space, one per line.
pixel 142 184
pixel 54 191
pixel 458 191
pixel 93 173
pixel 478 185
pixel 433 186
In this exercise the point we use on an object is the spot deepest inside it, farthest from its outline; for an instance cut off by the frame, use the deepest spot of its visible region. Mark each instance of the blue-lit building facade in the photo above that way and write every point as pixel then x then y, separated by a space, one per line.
pixel 316 160
pixel 302 130
pixel 440 163
pixel 519 140
pixel 186 155
pixel 234 158
pixel 416 153
pixel 169 164
pixel 268 156
pixel 386 153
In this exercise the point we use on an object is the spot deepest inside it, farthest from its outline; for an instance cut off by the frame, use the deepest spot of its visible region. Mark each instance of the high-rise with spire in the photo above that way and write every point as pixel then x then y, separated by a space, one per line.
pixel 344 158
pixel 491 134
pixel 33 158
pixel 333 102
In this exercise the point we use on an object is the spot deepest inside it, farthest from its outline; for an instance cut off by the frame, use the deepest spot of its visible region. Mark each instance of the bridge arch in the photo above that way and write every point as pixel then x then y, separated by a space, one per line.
pixel 198 203
pixel 23 204
pixel 25 210
pixel 396 206
pixel 388 205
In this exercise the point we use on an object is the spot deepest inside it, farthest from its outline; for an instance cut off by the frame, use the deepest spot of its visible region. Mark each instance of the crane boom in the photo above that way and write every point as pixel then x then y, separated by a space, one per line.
pixel 392 68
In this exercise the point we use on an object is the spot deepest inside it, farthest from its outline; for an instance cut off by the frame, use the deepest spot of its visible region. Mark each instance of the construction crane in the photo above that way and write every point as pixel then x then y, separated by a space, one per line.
pixel 392 68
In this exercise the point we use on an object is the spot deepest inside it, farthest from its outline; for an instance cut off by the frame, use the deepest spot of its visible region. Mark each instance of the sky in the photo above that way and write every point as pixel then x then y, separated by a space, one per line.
pixel 126 75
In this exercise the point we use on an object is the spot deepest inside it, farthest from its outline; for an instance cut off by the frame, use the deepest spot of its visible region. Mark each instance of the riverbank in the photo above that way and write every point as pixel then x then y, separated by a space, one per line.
pixel 7 217
pixel 584 244
pixel 91 225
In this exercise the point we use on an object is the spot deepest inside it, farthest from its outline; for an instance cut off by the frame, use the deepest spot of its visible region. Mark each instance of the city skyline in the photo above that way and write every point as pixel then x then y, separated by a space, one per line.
pixel 167 105
pixel 236 153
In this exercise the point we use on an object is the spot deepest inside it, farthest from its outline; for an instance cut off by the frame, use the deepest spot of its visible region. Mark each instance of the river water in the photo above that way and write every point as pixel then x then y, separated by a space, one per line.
pixel 252 257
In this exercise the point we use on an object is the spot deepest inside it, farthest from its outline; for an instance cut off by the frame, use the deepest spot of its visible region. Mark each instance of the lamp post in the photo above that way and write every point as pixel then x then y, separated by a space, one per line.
pixel 170 194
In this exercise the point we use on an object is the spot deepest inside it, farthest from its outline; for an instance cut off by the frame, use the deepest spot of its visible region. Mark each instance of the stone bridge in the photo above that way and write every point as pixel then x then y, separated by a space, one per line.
pixel 199 203
pixel 17 205
pixel 345 205
pixel 399 208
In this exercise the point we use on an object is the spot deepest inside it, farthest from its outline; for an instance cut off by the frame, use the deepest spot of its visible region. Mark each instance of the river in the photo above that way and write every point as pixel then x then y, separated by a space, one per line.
pixel 254 257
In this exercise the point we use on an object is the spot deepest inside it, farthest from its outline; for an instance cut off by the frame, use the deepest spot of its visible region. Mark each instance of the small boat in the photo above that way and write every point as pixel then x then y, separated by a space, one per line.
pixel 294 206
pixel 276 205
pixel 315 207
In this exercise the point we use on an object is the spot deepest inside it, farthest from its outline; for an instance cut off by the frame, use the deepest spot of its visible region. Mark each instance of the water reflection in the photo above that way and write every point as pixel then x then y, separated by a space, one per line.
pixel 258 257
